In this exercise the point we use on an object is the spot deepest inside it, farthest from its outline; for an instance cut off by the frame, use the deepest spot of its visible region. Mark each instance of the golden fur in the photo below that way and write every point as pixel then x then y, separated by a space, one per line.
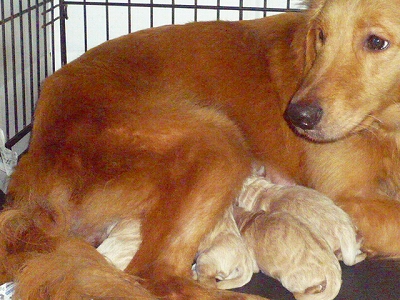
pixel 222 260
pixel 287 249
pixel 291 230
pixel 163 125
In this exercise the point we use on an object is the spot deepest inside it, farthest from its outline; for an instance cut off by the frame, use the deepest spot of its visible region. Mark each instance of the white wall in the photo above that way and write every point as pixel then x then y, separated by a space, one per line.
pixel 118 16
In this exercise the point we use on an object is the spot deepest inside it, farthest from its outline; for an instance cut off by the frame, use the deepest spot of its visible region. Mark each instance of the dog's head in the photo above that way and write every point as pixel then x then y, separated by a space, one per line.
pixel 352 70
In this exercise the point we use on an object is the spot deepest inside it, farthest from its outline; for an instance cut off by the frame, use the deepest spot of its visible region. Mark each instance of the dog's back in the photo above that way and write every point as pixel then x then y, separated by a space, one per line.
pixel 155 126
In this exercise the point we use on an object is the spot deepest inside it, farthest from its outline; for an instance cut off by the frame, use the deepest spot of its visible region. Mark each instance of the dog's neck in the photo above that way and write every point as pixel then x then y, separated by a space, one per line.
pixel 387 133
pixel 389 118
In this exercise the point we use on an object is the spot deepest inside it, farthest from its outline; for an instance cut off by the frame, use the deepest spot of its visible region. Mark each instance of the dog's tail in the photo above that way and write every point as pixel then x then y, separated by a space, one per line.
pixel 75 270
pixel 48 264
pixel 58 266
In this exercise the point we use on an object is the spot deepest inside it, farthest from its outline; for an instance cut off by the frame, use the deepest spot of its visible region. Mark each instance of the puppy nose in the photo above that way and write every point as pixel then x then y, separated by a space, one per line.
pixel 305 116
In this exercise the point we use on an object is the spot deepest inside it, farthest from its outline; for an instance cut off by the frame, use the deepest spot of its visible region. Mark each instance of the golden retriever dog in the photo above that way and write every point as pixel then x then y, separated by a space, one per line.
pixel 312 208
pixel 163 125
pixel 291 252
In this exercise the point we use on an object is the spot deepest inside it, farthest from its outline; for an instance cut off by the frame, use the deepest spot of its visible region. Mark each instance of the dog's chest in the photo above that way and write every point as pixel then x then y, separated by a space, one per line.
pixel 390 181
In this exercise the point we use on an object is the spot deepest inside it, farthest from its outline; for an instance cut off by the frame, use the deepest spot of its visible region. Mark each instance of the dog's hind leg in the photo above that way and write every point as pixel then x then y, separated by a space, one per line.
pixel 202 174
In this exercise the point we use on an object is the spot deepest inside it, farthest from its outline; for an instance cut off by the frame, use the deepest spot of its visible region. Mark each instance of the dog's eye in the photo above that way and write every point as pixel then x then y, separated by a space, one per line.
pixel 376 43
pixel 321 36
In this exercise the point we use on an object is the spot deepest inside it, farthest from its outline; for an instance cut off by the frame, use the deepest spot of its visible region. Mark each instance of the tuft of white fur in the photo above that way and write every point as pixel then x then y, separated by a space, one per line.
pixel 122 243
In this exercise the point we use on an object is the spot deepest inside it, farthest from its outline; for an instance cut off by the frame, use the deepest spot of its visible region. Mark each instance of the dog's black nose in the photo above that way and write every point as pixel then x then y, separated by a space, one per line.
pixel 304 116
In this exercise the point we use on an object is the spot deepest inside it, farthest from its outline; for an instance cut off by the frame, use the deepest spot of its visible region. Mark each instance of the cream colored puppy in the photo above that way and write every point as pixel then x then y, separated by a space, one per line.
pixel 122 243
pixel 311 207
pixel 223 259
pixel 289 251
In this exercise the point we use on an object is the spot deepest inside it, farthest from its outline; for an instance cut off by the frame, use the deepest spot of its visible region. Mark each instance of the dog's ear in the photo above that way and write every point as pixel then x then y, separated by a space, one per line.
pixel 314 8
pixel 309 48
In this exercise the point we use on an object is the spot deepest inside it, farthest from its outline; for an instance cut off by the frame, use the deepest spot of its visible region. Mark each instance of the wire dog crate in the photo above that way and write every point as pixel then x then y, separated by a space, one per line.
pixel 39 36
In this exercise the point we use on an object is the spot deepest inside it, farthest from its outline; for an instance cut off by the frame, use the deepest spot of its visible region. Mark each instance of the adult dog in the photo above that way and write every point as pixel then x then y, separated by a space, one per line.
pixel 163 125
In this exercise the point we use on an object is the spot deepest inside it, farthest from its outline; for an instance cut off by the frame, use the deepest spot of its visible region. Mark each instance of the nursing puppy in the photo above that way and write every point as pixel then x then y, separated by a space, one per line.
pixel 162 126
pixel 222 261
pixel 291 252
pixel 122 242
pixel 312 208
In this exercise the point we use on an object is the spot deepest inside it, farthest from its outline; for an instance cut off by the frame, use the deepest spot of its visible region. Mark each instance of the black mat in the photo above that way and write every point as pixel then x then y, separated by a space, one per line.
pixel 369 280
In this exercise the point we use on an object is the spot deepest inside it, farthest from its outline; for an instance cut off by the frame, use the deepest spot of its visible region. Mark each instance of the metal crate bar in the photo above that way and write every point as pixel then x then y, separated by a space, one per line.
pixel 152 5
pixel 27 38
pixel 174 6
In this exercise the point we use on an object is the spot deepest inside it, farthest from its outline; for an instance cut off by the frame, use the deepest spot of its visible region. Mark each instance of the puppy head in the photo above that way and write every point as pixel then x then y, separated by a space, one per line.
pixel 352 69
pixel 227 264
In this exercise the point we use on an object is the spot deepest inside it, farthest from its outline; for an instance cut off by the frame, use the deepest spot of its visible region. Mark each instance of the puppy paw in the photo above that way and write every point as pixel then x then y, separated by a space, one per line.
pixel 316 289
pixel 312 292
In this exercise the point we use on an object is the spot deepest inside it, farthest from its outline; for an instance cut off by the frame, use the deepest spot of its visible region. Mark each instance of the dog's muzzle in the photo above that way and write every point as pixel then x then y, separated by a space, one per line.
pixel 303 116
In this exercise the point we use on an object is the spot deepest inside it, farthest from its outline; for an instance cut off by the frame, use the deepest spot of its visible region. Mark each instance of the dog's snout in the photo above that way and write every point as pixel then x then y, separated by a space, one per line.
pixel 304 116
